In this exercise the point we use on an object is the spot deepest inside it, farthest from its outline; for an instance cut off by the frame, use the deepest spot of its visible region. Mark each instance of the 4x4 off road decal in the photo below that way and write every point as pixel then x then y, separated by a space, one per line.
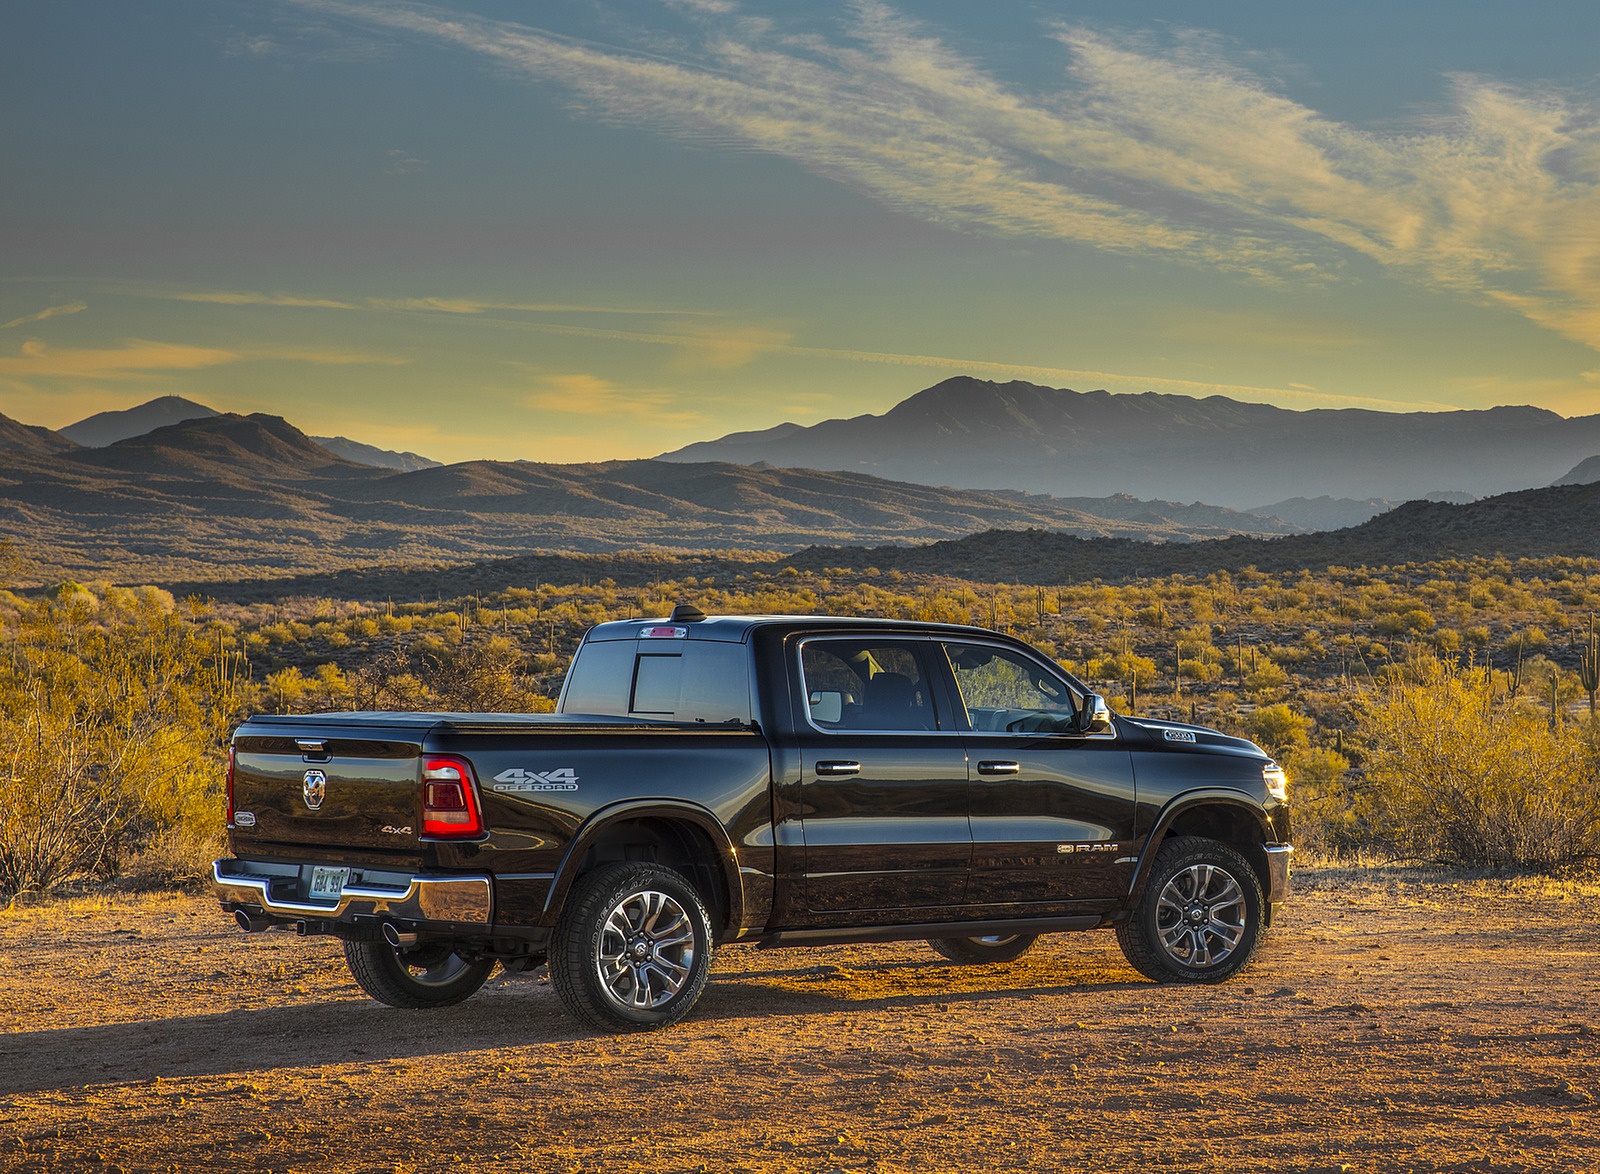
pixel 517 779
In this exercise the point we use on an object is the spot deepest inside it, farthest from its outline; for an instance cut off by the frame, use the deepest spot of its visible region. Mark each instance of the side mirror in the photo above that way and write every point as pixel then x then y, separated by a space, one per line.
pixel 1096 715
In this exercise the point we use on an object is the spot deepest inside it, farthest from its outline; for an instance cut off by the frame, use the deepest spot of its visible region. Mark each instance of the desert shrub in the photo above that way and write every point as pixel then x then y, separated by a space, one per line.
pixel 1327 817
pixel 113 713
pixel 1462 775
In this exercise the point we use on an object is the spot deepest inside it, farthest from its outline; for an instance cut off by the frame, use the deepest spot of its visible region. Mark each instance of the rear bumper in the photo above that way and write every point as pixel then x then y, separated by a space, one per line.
pixel 456 902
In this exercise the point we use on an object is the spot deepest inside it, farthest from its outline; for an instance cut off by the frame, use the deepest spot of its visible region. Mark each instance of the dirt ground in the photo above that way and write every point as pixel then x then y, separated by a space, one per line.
pixel 1394 1021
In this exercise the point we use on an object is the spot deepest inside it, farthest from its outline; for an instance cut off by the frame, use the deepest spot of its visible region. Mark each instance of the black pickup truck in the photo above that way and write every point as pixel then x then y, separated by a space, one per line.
pixel 779 780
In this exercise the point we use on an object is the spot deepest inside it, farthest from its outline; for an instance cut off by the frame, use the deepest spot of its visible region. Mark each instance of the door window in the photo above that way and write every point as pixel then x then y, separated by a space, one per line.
pixel 865 685
pixel 1005 692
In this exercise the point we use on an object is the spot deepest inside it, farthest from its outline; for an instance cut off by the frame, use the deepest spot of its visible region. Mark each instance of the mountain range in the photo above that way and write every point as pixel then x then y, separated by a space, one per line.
pixel 978 434
pixel 105 428
pixel 222 495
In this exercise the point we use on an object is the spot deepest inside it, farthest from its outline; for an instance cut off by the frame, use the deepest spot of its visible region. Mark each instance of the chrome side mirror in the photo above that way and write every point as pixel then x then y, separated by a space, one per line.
pixel 1096 715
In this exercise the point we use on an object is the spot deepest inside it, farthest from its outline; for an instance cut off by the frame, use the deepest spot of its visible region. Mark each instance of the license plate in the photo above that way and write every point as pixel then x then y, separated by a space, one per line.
pixel 328 883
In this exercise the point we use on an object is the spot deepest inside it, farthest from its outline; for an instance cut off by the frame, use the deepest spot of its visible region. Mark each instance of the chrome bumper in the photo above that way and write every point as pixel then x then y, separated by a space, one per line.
pixel 1278 872
pixel 460 900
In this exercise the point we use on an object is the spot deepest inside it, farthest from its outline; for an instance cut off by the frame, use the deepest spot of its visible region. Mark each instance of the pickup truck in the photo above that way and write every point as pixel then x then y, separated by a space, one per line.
pixel 775 780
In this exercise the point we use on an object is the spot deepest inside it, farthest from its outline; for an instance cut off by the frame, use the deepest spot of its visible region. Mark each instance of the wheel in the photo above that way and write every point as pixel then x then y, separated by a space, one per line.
pixel 417 977
pixel 1200 917
pixel 974 951
pixel 632 949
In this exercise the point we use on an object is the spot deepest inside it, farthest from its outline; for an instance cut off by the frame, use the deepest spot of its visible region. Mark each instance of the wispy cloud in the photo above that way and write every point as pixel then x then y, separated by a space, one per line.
pixel 235 298
pixel 578 394
pixel 1177 151
pixel 138 359
pixel 47 312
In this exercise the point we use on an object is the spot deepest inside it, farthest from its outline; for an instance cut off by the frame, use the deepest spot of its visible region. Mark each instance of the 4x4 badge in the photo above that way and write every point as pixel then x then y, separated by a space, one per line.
pixel 314 788
pixel 517 779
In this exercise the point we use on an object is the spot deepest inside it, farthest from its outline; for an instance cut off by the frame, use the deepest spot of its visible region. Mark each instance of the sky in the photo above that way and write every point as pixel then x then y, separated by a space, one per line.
pixel 586 230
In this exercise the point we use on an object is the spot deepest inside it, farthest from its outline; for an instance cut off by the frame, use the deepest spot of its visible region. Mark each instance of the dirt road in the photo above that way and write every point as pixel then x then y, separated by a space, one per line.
pixel 1394 1021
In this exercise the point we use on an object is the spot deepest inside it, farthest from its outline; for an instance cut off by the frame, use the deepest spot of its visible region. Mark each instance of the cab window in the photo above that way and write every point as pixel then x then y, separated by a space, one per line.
pixel 865 685
pixel 1005 692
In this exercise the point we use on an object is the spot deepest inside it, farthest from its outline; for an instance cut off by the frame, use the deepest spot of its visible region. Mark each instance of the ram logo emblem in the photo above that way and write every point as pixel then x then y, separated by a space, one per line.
pixel 314 788
pixel 518 779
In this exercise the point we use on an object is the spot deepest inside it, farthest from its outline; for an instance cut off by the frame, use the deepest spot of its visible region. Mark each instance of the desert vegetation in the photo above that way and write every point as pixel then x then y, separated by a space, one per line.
pixel 1441 711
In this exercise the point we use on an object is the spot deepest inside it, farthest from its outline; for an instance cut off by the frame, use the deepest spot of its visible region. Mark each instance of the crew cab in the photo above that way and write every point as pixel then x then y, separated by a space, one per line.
pixel 775 780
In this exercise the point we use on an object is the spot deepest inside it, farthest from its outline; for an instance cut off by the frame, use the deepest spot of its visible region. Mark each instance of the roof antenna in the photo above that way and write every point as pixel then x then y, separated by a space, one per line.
pixel 687 613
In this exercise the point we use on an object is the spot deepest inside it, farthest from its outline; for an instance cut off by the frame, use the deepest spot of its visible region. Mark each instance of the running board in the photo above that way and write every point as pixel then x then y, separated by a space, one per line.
pixel 845 935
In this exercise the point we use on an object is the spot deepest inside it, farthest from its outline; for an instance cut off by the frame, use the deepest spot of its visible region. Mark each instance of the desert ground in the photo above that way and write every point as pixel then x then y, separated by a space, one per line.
pixel 1395 1020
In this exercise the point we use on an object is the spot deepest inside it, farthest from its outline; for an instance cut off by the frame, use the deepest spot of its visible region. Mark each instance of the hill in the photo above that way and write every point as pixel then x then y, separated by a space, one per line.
pixel 104 428
pixel 1583 473
pixel 977 434
pixel 370 454
pixel 30 438
pixel 1533 523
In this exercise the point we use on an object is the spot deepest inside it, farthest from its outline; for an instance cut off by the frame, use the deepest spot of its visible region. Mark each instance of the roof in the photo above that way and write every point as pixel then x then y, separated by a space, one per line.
pixel 737 629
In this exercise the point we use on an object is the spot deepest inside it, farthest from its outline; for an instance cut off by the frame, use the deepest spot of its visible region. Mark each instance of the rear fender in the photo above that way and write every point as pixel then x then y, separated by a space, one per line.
pixel 596 827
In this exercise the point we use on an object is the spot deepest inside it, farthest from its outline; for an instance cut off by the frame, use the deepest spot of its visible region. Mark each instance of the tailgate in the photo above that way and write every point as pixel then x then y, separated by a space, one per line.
pixel 342 787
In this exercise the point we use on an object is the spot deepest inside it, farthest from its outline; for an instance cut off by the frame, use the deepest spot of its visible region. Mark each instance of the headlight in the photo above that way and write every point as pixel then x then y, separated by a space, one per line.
pixel 1277 782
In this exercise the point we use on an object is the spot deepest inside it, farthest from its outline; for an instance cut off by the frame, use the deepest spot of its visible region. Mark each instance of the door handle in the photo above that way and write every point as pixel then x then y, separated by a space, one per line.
pixel 999 768
pixel 838 768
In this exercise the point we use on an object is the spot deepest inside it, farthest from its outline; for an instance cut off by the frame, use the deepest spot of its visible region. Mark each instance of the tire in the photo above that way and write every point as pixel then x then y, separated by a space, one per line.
pixel 415 978
pixel 1200 917
pixel 632 948
pixel 976 951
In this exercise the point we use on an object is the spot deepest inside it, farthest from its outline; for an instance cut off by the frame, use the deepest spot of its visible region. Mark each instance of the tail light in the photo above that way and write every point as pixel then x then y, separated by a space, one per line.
pixel 449 800
pixel 230 785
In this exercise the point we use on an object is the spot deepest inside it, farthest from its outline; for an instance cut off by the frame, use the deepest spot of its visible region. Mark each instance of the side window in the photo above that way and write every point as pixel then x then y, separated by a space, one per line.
pixel 1008 693
pixel 865 685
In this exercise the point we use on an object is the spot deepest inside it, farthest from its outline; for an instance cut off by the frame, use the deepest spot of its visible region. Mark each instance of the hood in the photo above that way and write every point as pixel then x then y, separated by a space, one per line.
pixel 1182 736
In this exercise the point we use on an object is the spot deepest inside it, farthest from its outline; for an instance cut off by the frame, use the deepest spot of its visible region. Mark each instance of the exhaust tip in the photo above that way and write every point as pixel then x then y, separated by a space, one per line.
pixel 395 938
pixel 251 924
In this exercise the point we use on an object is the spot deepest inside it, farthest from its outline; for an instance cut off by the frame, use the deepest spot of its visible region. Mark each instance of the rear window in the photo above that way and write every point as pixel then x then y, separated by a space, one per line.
pixel 686 680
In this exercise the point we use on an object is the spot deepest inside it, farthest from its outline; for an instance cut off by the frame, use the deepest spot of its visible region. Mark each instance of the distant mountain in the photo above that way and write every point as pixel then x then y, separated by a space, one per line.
pixel 15 437
pixel 252 496
pixel 105 428
pixel 1531 523
pixel 367 454
pixel 1585 472
pixel 1335 513
pixel 972 433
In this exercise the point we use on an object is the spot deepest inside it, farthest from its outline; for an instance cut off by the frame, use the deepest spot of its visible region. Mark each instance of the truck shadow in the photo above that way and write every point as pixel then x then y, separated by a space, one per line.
pixel 518 1013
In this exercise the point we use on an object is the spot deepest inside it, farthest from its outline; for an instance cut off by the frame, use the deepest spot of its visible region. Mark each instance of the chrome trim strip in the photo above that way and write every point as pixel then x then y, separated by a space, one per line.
pixel 461 899
pixel 1278 872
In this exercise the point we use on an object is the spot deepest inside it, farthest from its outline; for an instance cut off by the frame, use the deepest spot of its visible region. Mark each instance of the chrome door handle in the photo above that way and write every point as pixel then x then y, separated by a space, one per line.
pixel 838 768
pixel 999 768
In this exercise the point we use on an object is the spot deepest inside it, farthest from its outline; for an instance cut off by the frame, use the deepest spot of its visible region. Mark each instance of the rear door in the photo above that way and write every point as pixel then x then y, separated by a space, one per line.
pixel 883 782
pixel 1052 810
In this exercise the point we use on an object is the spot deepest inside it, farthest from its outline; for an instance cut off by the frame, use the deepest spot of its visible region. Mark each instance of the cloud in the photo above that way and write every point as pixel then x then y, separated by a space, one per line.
pixel 224 298
pixel 590 395
pixel 480 306
pixel 1175 150
pixel 138 359
pixel 134 359
pixel 47 312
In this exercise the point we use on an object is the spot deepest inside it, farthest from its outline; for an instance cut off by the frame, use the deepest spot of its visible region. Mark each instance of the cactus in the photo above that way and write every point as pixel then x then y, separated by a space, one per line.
pixel 1589 665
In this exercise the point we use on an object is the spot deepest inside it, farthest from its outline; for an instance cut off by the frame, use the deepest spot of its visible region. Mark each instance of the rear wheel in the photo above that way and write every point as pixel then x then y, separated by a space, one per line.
pixel 1200 917
pixel 975 951
pixel 417 976
pixel 632 950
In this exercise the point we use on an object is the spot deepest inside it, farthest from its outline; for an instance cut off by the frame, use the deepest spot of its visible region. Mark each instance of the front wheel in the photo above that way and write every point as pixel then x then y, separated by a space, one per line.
pixel 1200 917
pixel 416 977
pixel 976 951
pixel 632 950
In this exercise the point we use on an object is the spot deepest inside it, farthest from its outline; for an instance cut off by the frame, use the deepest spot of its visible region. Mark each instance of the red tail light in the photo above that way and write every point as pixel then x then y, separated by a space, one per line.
pixel 230 786
pixel 449 800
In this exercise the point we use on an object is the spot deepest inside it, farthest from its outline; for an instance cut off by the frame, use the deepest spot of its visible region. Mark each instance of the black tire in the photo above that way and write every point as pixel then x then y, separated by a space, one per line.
pixel 976 951
pixel 417 977
pixel 632 948
pixel 1200 917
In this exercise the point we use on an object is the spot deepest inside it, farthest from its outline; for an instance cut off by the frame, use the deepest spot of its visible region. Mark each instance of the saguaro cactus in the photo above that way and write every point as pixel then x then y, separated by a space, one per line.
pixel 1589 665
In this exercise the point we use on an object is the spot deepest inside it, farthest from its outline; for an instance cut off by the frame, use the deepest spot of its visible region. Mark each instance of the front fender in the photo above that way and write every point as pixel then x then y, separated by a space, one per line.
pixel 1238 804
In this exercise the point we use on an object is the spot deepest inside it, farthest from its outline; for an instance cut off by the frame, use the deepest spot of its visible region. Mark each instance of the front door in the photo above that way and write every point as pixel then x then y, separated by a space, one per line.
pixel 883 783
pixel 1052 810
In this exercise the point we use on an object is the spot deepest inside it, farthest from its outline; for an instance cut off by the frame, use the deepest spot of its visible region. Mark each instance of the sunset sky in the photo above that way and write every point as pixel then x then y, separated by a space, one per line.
pixel 594 229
